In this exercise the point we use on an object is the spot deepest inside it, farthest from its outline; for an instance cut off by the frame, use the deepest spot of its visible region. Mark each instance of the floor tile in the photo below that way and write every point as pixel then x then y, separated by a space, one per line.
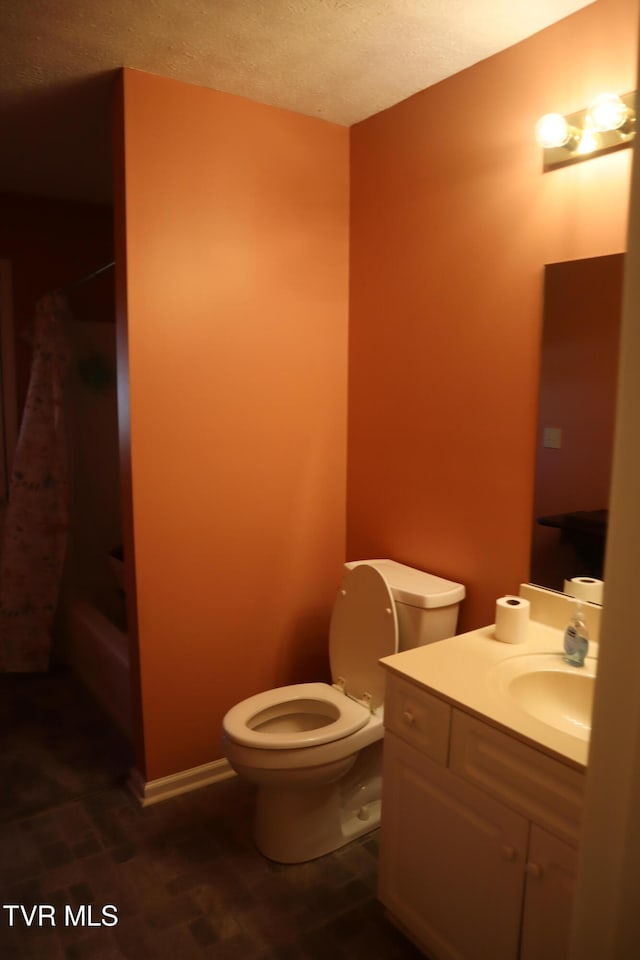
pixel 183 875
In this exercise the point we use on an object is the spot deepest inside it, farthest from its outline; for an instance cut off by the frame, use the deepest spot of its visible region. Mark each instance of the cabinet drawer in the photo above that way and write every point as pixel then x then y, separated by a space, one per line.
pixel 421 719
pixel 530 781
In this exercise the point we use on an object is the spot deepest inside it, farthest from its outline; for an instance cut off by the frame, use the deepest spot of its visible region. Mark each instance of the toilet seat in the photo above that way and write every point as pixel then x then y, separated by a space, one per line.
pixel 364 628
pixel 341 715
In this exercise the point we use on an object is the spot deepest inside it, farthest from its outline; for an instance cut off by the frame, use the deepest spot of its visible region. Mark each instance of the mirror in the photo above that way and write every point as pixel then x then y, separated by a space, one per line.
pixel 576 417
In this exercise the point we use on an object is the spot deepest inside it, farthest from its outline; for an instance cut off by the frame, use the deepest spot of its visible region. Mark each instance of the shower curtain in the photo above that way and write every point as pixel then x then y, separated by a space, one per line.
pixel 36 518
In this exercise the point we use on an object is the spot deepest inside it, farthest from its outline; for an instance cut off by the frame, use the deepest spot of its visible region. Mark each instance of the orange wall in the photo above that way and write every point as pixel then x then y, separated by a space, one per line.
pixel 452 221
pixel 232 273
pixel 233 293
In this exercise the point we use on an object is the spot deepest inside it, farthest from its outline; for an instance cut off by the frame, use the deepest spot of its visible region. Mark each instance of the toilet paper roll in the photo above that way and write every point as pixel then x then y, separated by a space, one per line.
pixel 512 619
pixel 585 588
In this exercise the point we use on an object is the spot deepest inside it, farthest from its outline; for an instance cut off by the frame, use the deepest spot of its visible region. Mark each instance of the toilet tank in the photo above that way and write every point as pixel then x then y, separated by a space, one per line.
pixel 427 606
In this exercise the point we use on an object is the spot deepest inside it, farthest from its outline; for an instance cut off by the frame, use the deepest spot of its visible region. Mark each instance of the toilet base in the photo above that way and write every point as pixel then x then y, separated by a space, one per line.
pixel 294 824
pixel 294 827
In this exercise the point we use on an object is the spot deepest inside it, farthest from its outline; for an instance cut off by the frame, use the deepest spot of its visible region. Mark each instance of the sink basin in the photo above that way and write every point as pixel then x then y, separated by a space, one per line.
pixel 547 688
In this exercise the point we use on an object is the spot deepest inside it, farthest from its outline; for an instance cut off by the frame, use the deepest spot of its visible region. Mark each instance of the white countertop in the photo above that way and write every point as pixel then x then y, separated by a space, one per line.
pixel 461 670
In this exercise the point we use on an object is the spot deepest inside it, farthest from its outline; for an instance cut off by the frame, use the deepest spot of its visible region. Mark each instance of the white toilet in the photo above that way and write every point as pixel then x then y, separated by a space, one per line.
pixel 315 750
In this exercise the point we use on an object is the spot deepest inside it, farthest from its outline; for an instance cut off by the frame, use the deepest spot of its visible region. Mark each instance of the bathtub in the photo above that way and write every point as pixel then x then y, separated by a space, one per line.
pixel 98 653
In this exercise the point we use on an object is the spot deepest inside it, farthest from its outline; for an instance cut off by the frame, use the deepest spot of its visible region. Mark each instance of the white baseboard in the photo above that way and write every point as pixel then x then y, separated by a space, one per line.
pixel 147 792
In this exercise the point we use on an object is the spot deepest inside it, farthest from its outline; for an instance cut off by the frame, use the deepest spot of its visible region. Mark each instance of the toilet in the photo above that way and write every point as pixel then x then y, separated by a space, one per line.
pixel 314 750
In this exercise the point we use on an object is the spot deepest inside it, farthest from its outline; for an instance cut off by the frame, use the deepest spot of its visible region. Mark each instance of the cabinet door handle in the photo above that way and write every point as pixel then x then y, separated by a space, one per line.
pixel 534 870
pixel 408 717
pixel 508 852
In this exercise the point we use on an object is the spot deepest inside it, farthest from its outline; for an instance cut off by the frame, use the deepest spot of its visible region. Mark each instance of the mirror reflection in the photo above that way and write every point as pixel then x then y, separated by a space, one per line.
pixel 576 416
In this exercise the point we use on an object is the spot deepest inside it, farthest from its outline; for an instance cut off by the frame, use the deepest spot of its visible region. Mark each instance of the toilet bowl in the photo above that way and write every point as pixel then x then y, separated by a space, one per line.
pixel 314 750
pixel 313 799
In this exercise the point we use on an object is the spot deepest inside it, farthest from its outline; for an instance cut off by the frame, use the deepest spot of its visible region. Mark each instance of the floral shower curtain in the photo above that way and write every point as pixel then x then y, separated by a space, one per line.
pixel 36 518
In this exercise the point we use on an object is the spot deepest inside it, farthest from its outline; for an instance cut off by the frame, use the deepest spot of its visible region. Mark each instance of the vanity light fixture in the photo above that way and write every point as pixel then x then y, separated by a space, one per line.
pixel 608 124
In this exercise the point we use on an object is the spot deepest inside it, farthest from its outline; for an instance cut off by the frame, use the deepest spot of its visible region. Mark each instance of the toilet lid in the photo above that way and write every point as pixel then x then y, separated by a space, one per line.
pixel 364 628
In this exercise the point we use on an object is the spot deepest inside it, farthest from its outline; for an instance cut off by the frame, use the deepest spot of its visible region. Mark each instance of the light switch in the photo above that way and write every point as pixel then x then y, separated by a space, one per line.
pixel 552 437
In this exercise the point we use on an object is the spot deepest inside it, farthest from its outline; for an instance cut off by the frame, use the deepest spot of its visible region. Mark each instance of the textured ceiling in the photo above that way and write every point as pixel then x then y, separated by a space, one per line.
pixel 341 60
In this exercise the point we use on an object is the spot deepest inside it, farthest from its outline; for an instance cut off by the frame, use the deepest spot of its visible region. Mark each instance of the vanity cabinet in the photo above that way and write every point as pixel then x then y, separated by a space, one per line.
pixel 550 876
pixel 479 834
pixel 450 859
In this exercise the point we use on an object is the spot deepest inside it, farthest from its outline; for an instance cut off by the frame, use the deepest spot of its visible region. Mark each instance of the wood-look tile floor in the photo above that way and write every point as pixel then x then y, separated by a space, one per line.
pixel 183 877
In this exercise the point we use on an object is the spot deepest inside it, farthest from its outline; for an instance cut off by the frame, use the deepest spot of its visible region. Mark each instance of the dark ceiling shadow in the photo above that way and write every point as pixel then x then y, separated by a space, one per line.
pixel 57 140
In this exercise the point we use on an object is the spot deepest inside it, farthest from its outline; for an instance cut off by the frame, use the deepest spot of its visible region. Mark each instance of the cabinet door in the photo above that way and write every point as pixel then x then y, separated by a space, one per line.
pixel 451 860
pixel 551 869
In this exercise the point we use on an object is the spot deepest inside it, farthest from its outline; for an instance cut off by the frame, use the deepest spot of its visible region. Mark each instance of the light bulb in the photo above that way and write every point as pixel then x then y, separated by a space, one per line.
pixel 552 130
pixel 607 112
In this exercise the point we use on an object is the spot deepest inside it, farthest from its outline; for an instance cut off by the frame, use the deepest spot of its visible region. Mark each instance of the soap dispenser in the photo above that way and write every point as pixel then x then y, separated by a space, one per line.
pixel 576 638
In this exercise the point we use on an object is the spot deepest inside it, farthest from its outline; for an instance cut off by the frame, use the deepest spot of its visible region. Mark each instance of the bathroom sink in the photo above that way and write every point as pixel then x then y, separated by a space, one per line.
pixel 547 688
